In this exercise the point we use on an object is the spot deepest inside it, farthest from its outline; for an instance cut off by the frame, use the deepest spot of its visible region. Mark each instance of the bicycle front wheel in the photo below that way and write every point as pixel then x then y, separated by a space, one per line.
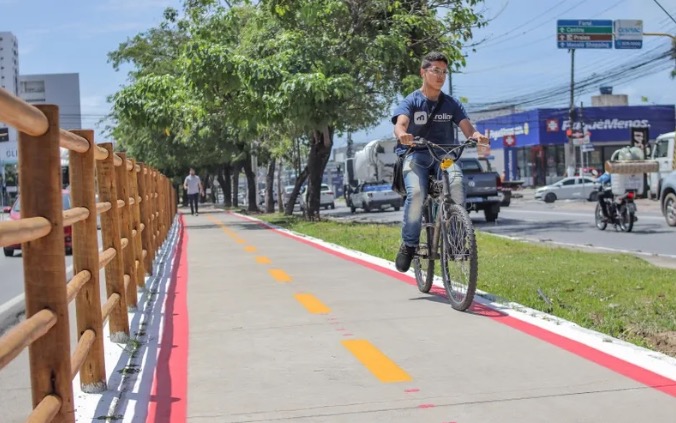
pixel 423 261
pixel 459 261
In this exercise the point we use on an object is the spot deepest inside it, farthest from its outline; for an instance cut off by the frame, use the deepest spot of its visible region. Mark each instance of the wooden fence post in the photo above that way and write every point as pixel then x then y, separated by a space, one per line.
pixel 153 213
pixel 128 251
pixel 44 265
pixel 145 217
pixel 86 258
pixel 165 207
pixel 110 229
pixel 136 224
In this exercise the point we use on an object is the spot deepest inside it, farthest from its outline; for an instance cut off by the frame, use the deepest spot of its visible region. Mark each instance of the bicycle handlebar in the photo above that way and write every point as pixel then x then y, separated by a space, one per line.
pixel 457 150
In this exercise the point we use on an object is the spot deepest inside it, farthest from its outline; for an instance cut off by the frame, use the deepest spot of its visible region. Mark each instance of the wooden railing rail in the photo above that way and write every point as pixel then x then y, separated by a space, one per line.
pixel 131 234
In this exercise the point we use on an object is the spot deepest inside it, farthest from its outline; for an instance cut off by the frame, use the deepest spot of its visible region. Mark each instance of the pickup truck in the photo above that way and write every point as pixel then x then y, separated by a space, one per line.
pixel 504 189
pixel 481 188
pixel 374 196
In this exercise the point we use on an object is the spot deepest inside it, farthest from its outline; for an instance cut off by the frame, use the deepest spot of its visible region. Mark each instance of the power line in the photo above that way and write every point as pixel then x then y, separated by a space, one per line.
pixel 665 10
pixel 627 71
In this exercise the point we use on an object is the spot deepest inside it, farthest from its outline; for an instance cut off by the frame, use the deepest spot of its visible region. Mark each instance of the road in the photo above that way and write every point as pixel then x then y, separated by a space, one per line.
pixel 11 275
pixel 570 222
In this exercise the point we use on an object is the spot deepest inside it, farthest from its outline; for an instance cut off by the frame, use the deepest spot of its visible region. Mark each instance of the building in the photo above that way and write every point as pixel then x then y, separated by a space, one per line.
pixel 529 146
pixel 61 89
pixel 9 80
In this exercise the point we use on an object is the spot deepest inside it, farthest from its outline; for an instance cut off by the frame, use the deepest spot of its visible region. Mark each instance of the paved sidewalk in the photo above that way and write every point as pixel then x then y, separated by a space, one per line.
pixel 266 327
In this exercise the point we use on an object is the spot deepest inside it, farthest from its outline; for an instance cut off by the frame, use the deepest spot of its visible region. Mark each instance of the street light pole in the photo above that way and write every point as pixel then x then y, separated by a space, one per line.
pixel 570 147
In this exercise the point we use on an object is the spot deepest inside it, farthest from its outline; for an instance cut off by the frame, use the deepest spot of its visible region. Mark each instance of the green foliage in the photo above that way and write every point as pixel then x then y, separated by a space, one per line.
pixel 207 83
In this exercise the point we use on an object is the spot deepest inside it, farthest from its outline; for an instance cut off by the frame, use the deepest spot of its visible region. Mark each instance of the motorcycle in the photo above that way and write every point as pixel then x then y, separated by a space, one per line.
pixel 621 210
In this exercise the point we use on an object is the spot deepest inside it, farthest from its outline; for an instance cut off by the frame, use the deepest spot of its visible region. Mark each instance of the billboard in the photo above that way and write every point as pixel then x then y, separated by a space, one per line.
pixel 606 124
pixel 549 126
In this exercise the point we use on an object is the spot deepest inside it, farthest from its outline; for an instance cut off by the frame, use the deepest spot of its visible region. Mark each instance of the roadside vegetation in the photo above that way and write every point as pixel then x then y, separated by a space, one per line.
pixel 617 294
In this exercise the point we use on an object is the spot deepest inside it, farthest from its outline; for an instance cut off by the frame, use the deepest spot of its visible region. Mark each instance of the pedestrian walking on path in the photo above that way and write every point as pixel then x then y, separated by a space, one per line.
pixel 193 186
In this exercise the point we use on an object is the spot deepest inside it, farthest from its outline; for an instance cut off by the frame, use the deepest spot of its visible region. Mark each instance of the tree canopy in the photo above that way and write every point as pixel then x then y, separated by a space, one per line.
pixel 217 78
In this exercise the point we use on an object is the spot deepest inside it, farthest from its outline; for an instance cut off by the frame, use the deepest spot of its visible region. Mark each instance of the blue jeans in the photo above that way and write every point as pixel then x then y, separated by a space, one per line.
pixel 417 168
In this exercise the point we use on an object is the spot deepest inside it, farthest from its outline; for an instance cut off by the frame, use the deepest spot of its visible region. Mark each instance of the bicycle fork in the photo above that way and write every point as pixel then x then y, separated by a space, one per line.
pixel 438 215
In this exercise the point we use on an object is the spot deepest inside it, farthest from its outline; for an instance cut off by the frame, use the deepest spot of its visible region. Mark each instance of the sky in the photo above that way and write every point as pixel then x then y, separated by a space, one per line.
pixel 516 53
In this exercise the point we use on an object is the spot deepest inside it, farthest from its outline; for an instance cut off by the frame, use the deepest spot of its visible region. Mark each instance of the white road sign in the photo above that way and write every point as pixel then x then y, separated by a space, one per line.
pixel 628 33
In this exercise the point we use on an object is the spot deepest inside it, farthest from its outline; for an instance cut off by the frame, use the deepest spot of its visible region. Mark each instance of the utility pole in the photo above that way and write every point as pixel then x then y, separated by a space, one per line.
pixel 450 93
pixel 349 152
pixel 570 147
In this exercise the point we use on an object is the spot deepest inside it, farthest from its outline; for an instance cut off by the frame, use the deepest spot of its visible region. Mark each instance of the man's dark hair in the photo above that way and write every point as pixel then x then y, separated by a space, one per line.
pixel 433 56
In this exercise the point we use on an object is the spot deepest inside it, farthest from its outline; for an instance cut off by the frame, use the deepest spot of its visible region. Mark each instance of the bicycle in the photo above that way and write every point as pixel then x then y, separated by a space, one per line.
pixel 452 229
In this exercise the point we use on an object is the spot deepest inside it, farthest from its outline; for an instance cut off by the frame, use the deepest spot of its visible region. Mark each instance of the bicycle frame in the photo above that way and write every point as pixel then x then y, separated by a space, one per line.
pixel 445 163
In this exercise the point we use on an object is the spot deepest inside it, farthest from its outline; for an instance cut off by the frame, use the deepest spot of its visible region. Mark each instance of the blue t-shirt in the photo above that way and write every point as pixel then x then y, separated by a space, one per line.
pixel 418 109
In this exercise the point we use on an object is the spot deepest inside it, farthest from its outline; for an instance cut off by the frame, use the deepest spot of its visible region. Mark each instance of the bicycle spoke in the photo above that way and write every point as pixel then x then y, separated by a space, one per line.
pixel 459 257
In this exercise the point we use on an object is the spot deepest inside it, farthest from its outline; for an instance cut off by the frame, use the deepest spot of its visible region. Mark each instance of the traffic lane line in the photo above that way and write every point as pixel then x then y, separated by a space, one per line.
pixel 263 260
pixel 381 366
pixel 169 391
pixel 312 304
pixel 232 234
pixel 279 275
pixel 617 365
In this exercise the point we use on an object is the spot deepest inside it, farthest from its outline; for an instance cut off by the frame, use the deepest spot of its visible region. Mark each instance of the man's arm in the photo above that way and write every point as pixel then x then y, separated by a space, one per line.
pixel 400 129
pixel 471 132
pixel 185 184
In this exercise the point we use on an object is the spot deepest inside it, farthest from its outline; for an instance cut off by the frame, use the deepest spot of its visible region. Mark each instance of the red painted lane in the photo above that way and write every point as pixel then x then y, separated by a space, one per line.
pixel 632 371
pixel 168 400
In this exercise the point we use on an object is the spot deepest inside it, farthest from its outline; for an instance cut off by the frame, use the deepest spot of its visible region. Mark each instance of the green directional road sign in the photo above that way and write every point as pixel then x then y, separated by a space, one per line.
pixel 590 33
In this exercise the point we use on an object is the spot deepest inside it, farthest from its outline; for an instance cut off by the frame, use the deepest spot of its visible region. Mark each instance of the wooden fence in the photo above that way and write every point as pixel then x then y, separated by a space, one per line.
pixel 136 205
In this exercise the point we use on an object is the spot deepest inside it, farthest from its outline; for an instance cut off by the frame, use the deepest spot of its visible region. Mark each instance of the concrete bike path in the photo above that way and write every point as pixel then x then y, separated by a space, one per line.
pixel 267 328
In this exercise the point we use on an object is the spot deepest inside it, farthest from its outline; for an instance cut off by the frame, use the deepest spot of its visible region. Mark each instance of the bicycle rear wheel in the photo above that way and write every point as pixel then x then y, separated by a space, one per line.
pixel 423 261
pixel 459 261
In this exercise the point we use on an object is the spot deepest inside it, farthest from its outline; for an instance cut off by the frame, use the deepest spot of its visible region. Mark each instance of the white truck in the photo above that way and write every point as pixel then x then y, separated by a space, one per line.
pixel 368 177
pixel 664 153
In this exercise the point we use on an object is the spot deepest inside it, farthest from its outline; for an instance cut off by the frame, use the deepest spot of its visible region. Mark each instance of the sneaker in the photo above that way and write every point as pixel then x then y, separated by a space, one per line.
pixel 404 257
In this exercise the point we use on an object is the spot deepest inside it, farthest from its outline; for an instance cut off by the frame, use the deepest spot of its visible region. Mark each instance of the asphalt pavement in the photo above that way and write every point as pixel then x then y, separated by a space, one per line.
pixel 566 222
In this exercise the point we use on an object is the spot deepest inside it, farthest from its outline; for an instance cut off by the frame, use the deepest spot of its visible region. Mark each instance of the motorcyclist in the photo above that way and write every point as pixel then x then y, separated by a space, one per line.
pixel 605 191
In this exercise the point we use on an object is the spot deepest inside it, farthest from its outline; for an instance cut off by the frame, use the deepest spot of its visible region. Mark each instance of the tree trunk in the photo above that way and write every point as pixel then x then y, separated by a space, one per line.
pixel 320 150
pixel 269 187
pixel 235 184
pixel 300 180
pixel 224 181
pixel 280 188
pixel 251 184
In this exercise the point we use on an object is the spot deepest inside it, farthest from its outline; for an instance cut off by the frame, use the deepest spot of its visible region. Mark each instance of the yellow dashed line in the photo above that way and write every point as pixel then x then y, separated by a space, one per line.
pixel 227 230
pixel 375 361
pixel 263 260
pixel 250 249
pixel 312 304
pixel 279 275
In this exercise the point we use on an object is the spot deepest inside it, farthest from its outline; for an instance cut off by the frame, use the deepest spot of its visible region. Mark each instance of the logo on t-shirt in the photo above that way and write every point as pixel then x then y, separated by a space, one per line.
pixel 420 118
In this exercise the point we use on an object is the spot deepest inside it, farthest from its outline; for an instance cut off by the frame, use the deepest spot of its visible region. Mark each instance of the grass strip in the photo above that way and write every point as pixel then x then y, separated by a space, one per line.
pixel 619 295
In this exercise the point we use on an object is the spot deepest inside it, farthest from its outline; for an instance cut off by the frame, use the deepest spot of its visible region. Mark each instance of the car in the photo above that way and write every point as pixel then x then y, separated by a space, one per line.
pixel 668 198
pixel 326 198
pixel 15 214
pixel 568 189
pixel 287 195
pixel 375 196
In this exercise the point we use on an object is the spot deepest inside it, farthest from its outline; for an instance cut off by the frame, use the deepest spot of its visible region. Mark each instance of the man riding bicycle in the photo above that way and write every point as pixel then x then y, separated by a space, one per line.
pixel 430 113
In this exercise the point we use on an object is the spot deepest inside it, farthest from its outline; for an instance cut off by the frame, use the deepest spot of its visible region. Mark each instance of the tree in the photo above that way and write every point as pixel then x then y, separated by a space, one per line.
pixel 304 68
